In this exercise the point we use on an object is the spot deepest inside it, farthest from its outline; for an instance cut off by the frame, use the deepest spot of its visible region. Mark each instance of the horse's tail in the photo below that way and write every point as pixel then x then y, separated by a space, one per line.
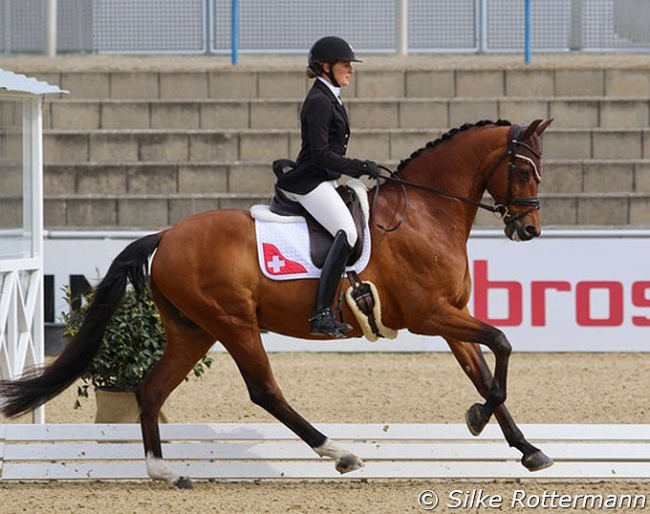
pixel 40 385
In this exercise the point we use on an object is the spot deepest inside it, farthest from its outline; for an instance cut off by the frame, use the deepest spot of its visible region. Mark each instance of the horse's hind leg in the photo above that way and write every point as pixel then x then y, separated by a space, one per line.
pixel 248 352
pixel 472 360
pixel 186 344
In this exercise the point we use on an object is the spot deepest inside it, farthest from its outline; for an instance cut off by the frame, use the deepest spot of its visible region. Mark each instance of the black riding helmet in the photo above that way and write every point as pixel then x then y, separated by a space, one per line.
pixel 328 49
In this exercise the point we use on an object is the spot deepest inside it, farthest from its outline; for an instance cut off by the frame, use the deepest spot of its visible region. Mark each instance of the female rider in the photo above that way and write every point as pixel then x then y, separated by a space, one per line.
pixel 325 132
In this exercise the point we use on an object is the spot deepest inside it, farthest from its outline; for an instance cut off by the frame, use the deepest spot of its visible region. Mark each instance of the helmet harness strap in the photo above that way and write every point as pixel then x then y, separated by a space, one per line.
pixel 330 75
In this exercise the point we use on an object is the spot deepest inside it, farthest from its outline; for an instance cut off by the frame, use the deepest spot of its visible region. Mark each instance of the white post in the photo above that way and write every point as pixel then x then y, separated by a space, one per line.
pixel 401 27
pixel 36 217
pixel 50 49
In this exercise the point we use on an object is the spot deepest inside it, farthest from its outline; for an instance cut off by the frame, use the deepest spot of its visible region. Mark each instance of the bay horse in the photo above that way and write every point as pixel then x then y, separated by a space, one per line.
pixel 207 284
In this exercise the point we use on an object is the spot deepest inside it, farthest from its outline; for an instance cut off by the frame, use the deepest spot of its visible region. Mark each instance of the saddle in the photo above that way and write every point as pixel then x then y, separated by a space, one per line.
pixel 320 240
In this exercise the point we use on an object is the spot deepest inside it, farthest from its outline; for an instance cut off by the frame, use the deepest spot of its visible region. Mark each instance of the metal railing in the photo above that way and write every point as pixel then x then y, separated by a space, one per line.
pixel 290 26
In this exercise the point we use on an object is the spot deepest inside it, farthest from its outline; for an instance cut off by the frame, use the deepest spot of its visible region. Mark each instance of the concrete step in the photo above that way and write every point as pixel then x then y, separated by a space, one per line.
pixel 571 176
pixel 586 210
pixel 156 211
pixel 253 177
pixel 216 145
pixel 266 145
pixel 447 81
pixel 567 112
pixel 574 176
pixel 136 211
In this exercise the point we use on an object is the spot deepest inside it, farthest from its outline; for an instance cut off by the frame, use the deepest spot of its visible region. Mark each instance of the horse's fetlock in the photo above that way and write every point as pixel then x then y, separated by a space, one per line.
pixel 497 396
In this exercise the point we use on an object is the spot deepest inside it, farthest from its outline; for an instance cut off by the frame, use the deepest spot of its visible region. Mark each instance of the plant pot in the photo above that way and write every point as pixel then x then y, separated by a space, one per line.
pixel 119 407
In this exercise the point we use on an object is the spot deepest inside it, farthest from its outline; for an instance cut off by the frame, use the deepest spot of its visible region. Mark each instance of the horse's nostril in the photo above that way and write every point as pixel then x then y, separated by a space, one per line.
pixel 532 231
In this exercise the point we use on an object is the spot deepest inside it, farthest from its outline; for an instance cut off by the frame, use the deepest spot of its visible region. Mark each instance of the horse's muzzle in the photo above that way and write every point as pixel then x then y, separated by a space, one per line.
pixel 522 229
pixel 523 226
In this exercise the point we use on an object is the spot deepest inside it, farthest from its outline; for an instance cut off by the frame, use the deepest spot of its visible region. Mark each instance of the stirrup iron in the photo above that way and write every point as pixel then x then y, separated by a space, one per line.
pixel 323 323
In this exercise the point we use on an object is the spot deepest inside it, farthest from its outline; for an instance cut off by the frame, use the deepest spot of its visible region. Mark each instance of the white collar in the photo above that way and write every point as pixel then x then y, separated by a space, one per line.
pixel 335 90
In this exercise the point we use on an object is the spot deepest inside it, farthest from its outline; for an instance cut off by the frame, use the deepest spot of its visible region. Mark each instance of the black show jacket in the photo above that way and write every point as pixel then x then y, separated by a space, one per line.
pixel 325 131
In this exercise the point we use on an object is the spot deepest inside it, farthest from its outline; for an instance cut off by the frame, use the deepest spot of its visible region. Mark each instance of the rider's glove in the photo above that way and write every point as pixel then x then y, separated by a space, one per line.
pixel 369 168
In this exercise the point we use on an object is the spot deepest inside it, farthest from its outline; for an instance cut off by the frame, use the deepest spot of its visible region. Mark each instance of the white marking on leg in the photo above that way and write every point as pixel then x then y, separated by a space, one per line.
pixel 158 469
pixel 344 460
pixel 329 449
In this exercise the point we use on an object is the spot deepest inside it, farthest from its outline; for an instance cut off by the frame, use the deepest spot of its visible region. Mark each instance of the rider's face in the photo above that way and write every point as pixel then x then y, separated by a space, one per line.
pixel 342 71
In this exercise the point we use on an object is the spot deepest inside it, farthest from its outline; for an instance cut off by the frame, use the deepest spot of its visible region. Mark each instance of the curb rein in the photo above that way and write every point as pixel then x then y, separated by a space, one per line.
pixel 500 209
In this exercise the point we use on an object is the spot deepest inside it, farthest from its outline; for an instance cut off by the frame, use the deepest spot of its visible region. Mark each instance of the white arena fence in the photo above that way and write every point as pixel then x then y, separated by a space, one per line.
pixel 271 451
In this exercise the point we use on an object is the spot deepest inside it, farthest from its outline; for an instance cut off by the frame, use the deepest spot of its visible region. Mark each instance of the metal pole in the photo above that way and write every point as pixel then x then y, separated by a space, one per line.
pixel 402 27
pixel 207 26
pixel 481 26
pixel 527 32
pixel 50 48
pixel 575 37
pixel 235 32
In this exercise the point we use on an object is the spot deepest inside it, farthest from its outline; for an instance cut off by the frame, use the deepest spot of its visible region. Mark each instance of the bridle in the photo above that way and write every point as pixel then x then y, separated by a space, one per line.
pixel 499 208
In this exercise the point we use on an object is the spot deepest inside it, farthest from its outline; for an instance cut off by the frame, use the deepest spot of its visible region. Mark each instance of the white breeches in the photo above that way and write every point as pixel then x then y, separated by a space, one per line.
pixel 329 209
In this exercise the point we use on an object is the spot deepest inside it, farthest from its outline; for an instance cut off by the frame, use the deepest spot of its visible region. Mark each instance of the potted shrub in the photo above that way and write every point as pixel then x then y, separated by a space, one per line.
pixel 134 341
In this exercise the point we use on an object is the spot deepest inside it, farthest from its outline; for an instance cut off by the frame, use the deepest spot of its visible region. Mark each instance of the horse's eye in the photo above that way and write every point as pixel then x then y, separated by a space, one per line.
pixel 525 174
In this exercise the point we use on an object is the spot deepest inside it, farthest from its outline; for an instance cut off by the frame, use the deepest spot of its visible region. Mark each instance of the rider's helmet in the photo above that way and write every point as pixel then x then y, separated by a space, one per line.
pixel 328 49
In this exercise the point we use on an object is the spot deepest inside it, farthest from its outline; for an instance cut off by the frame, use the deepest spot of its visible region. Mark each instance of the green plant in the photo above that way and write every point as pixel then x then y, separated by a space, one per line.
pixel 133 342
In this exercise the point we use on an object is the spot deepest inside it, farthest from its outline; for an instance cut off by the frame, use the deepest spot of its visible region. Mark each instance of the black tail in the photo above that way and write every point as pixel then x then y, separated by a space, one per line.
pixel 39 385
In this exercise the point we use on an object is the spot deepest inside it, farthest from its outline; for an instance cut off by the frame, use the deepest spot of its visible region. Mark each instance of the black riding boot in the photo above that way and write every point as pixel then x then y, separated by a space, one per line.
pixel 322 320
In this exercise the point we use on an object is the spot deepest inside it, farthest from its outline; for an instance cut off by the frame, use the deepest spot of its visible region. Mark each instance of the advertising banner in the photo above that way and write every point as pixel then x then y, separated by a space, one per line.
pixel 578 291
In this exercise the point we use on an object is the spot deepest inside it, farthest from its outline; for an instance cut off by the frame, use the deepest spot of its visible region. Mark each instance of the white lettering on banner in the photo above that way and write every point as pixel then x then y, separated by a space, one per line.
pixel 573 292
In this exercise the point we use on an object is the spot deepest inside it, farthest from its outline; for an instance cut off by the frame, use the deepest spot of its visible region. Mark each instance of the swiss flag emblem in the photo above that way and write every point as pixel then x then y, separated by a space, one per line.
pixel 277 264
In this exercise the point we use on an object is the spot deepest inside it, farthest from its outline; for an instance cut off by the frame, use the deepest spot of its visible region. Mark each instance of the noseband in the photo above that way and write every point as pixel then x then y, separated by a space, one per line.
pixel 499 208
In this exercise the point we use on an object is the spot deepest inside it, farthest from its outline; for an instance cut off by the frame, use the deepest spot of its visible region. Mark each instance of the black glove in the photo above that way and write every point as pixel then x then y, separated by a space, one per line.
pixel 370 168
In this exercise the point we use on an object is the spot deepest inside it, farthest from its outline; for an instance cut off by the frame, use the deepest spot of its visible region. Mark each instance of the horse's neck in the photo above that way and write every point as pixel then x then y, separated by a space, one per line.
pixel 459 176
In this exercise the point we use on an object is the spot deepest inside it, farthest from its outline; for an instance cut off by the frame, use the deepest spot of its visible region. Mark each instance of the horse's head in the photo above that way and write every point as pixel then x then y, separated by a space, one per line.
pixel 514 181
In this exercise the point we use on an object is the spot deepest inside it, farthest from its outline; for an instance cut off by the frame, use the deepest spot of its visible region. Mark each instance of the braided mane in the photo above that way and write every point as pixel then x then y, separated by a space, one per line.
pixel 447 135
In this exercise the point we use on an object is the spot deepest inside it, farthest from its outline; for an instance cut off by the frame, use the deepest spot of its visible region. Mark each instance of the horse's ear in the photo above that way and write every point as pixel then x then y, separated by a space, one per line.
pixel 529 130
pixel 542 126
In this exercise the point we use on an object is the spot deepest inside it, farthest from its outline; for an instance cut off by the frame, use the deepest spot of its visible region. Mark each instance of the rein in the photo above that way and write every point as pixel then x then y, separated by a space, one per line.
pixel 501 209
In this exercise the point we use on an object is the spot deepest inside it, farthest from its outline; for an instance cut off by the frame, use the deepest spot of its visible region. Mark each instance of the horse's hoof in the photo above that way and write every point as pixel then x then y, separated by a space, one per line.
pixel 349 463
pixel 476 419
pixel 183 483
pixel 536 461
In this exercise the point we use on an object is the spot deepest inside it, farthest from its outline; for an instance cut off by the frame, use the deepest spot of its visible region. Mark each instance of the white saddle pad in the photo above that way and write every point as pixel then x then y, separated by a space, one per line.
pixel 283 246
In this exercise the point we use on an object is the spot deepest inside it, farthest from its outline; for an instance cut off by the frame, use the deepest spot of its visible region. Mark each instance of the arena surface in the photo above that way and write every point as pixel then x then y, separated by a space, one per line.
pixel 366 388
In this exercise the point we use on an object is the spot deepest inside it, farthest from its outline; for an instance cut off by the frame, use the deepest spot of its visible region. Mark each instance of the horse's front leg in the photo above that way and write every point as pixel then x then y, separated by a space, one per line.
pixel 478 415
pixel 456 324
pixel 471 359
